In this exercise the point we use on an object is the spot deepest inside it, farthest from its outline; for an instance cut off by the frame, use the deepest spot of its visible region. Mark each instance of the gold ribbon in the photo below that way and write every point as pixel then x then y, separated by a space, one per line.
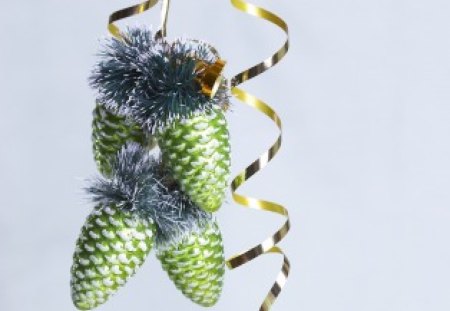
pixel 270 244
pixel 135 10
pixel 164 17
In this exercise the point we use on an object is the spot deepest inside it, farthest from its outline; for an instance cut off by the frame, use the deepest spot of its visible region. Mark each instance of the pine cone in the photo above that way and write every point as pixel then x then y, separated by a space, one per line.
pixel 112 245
pixel 197 153
pixel 196 265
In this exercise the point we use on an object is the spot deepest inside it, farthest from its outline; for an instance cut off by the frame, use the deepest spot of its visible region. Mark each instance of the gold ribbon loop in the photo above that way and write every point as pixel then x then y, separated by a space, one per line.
pixel 130 11
pixel 280 282
pixel 270 244
pixel 245 175
pixel 272 60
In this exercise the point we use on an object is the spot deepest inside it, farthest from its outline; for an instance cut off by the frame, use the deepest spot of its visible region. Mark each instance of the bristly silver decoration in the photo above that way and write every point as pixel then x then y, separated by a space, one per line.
pixel 116 74
pixel 152 80
pixel 140 184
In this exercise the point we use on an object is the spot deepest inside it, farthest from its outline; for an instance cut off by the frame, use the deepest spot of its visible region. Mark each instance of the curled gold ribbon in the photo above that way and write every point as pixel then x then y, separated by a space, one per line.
pixel 270 244
pixel 135 10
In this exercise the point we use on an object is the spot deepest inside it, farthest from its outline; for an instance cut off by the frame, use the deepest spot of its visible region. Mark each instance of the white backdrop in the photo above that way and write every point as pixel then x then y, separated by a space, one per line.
pixel 364 170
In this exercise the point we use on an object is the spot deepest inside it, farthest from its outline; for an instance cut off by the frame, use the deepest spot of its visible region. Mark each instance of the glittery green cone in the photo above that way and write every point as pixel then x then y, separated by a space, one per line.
pixel 110 132
pixel 196 151
pixel 196 264
pixel 112 245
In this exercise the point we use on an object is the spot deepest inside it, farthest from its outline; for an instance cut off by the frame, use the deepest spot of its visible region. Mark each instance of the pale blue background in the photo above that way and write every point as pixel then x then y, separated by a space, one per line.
pixel 364 170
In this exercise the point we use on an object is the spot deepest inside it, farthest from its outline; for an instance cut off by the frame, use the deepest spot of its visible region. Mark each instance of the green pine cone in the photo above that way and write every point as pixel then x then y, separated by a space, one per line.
pixel 197 153
pixel 196 265
pixel 112 245
pixel 109 133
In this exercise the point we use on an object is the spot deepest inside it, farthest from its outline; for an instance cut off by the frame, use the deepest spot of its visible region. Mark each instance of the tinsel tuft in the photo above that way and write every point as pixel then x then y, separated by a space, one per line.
pixel 139 183
pixel 153 80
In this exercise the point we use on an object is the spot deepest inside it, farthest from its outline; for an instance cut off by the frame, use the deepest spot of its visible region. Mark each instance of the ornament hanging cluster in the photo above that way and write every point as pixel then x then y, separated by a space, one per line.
pixel 153 92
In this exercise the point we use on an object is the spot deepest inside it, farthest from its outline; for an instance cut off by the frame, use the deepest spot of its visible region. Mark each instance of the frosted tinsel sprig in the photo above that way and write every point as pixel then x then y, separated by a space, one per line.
pixel 139 184
pixel 154 81
pixel 117 72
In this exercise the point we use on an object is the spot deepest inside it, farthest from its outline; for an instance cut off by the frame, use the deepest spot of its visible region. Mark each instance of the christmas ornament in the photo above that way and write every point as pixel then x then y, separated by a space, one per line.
pixel 151 90
pixel 139 204
pixel 197 151
pixel 118 235
pixel 112 245
pixel 196 264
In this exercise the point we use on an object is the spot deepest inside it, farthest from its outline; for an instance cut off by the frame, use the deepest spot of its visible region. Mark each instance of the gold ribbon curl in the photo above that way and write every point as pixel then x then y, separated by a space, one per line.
pixel 270 244
pixel 135 10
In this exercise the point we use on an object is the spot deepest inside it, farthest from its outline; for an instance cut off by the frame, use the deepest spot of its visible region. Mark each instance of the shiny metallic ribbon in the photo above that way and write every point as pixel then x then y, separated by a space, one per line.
pixel 138 9
pixel 270 244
